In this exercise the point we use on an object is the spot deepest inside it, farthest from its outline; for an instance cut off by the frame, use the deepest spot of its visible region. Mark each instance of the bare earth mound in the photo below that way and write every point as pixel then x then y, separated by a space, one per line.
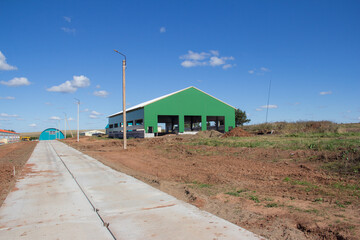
pixel 237 132
pixel 209 134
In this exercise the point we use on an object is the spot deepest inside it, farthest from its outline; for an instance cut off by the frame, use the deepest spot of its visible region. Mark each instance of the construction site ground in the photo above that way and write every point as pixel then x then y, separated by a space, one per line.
pixel 276 192
pixel 12 159
pixel 272 191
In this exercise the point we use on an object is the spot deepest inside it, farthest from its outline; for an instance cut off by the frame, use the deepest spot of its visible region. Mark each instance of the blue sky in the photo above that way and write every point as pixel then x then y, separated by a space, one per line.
pixel 55 51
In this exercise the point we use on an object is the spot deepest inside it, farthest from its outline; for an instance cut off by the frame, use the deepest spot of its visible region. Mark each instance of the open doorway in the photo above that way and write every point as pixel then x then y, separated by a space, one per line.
pixel 215 123
pixel 192 123
pixel 168 124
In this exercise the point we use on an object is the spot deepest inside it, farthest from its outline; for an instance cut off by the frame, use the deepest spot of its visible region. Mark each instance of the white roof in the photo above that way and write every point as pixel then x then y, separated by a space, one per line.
pixel 94 131
pixel 141 105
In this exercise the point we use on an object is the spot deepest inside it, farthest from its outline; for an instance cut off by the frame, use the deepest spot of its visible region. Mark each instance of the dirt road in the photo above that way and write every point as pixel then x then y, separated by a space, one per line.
pixel 279 194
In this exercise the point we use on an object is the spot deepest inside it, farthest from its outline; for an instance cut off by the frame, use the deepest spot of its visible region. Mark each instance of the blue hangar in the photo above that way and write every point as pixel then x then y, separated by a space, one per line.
pixel 51 134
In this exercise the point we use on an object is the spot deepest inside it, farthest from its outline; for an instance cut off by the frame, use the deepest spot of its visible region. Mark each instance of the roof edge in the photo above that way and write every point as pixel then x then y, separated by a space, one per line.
pixel 142 105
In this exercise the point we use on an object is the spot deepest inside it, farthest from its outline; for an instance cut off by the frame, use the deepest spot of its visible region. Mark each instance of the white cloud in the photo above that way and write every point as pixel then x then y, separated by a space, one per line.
pixel 270 106
pixel 69 30
pixel 32 125
pixel 16 82
pixel 4 65
pixel 226 66
pixel 260 71
pixel 162 30
pixel 215 52
pixel 68 19
pixel 96 113
pixel 211 58
pixel 188 63
pixel 195 56
pixel 54 118
pixel 101 93
pixel 71 86
pixel 80 81
pixel 216 61
pixel 8 98
pixel 259 109
pixel 326 93
pixel 8 115
pixel 65 87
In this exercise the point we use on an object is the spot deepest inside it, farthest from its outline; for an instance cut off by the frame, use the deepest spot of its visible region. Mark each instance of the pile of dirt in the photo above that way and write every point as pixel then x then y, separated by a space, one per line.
pixel 237 132
pixel 209 134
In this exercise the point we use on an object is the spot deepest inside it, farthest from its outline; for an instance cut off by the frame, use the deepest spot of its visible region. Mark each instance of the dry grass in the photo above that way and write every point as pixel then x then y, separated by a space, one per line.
pixel 303 127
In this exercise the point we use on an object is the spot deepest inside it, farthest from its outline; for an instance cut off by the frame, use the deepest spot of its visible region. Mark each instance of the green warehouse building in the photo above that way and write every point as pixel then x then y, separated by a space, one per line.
pixel 185 111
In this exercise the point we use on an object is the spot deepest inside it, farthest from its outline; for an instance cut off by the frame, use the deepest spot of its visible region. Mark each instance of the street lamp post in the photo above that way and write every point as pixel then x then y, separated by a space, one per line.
pixel 65 124
pixel 268 101
pixel 124 99
pixel 78 115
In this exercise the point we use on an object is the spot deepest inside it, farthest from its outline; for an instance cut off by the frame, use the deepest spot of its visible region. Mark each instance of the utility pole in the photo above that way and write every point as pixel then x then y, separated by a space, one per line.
pixel 68 125
pixel 78 115
pixel 267 106
pixel 124 99
pixel 65 124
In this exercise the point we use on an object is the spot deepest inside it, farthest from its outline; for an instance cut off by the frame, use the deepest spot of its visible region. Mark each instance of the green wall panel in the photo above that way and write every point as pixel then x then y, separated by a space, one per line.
pixel 190 102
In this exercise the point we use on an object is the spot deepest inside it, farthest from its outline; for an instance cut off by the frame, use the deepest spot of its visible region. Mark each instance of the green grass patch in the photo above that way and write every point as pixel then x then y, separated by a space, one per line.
pixel 237 192
pixel 254 198
pixel 344 186
pixel 271 205
pixel 268 199
pixel 201 185
pixel 283 142
pixel 320 200
pixel 339 204
pixel 308 186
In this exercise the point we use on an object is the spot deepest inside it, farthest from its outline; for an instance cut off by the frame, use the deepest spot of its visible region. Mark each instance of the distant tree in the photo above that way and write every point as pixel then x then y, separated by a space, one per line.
pixel 240 117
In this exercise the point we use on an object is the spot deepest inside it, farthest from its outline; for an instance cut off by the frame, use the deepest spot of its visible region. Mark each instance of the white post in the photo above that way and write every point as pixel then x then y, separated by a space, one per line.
pixel 78 120
pixel 65 124
pixel 124 101
pixel 124 106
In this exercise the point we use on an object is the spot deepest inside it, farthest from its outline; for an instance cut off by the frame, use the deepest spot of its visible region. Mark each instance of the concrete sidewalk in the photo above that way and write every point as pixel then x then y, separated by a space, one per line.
pixel 133 209
pixel 46 203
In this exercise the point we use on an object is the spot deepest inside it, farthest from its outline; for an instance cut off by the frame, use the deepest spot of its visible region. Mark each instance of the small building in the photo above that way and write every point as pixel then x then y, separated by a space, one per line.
pixel 185 111
pixel 51 134
pixel 8 136
pixel 92 133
